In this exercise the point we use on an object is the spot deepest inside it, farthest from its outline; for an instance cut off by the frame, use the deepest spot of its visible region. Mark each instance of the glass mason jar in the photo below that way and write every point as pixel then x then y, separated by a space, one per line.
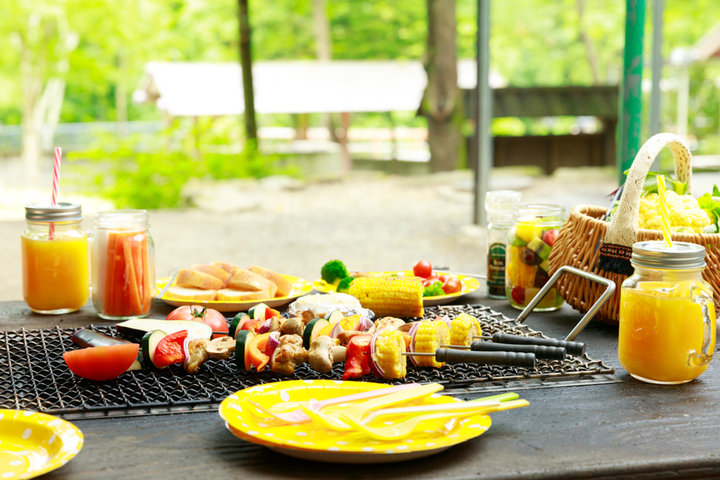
pixel 123 264
pixel 530 242
pixel 667 316
pixel 501 207
pixel 55 259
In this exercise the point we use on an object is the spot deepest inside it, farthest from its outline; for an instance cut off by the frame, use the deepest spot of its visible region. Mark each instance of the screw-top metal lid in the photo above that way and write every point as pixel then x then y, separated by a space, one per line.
pixel 655 254
pixel 62 212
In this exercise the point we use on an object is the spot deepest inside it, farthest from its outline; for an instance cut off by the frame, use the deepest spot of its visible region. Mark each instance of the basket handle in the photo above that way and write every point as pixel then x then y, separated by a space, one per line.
pixel 624 223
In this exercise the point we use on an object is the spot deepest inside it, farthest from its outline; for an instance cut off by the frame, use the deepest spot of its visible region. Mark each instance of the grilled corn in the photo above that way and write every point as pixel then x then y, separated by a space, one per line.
pixel 463 328
pixel 427 339
pixel 389 296
pixel 387 353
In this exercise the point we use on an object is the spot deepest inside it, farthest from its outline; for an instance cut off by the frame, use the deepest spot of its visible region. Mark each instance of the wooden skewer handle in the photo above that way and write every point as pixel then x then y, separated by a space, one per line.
pixel 513 359
pixel 572 348
pixel 541 351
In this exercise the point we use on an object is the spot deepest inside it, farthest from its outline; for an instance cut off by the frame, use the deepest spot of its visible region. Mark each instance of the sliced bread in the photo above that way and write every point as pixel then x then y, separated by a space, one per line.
pixel 188 277
pixel 284 286
pixel 246 280
pixel 230 295
pixel 177 292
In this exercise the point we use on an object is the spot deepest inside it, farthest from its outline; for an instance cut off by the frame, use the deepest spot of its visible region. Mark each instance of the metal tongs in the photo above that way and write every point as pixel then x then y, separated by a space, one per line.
pixel 544 348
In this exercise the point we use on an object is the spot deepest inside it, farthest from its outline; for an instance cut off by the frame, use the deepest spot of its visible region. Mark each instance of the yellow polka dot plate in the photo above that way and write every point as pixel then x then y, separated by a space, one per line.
pixel 312 441
pixel 32 443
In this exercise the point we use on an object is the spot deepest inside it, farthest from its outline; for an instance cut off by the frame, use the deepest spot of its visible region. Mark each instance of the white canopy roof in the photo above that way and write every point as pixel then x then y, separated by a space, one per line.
pixel 208 89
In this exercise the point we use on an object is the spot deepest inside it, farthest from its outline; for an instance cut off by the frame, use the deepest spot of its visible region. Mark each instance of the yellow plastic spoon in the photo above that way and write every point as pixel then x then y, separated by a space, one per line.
pixel 405 427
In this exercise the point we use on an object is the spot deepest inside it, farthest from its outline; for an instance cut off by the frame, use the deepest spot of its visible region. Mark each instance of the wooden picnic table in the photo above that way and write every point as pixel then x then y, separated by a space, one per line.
pixel 620 428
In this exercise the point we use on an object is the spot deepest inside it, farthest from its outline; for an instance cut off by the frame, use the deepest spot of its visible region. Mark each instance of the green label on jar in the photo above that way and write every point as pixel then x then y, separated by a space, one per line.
pixel 496 269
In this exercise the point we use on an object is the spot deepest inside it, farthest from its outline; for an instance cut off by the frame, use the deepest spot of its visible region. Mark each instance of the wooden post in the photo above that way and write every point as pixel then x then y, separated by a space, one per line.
pixel 247 77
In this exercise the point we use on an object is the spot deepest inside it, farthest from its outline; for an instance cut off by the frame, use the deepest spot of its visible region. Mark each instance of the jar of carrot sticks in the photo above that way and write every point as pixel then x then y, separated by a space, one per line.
pixel 123 264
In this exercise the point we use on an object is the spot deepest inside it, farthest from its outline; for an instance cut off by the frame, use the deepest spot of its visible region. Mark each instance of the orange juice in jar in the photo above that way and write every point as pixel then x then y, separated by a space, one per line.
pixel 55 259
pixel 123 265
pixel 667 316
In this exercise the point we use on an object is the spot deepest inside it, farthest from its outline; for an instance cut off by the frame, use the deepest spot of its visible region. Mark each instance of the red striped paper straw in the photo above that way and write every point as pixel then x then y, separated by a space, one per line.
pixel 55 182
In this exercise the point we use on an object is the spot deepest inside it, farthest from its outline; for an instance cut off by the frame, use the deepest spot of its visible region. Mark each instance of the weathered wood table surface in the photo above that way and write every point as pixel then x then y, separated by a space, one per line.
pixel 622 428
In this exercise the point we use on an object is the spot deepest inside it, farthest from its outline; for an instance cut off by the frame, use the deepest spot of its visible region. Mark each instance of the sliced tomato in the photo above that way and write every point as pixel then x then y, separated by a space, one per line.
pixel 169 350
pixel 250 324
pixel 101 363
pixel 256 351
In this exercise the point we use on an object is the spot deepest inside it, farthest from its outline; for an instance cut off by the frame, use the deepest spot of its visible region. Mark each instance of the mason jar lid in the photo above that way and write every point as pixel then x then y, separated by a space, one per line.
pixel 655 254
pixel 541 213
pixel 122 219
pixel 62 212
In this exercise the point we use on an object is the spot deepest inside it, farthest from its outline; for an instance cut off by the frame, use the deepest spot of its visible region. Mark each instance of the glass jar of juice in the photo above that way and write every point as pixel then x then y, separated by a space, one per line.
pixel 529 244
pixel 55 259
pixel 667 316
pixel 123 264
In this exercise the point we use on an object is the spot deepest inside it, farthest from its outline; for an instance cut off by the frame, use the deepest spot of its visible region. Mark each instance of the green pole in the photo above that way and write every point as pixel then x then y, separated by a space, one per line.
pixel 630 121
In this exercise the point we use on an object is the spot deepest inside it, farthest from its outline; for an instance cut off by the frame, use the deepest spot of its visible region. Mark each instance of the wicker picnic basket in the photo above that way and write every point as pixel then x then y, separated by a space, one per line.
pixel 586 239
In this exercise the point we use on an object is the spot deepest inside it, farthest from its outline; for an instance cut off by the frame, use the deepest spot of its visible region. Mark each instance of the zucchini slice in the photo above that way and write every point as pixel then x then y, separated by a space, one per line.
pixel 138 327
pixel 236 322
pixel 312 329
pixel 335 316
pixel 148 344
pixel 242 357
pixel 258 311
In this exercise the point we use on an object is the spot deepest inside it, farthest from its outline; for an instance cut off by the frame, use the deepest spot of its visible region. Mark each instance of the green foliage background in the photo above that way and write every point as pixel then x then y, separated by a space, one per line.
pixel 533 42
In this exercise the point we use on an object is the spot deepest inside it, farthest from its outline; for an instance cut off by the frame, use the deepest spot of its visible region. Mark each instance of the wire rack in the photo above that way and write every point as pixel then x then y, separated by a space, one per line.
pixel 33 375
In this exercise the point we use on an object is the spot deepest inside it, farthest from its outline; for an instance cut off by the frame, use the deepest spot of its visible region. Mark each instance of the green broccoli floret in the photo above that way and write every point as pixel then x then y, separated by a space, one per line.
pixel 344 284
pixel 333 271
pixel 433 290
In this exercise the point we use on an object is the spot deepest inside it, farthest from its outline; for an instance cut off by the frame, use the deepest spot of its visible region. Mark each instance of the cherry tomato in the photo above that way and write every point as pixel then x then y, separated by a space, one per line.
pixel 423 268
pixel 101 363
pixel 198 313
pixel 429 281
pixel 444 278
pixel 452 285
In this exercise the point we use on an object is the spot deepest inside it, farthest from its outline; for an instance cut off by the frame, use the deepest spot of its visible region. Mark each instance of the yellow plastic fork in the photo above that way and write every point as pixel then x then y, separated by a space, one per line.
pixel 359 410
pixel 405 427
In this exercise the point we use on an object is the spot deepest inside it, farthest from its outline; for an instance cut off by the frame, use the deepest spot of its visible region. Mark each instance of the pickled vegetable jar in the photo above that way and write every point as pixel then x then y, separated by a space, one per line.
pixel 123 264
pixel 530 242
pixel 55 259
pixel 667 316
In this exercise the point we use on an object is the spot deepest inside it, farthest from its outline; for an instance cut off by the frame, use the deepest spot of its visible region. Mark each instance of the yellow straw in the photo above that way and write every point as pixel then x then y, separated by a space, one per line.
pixel 664 214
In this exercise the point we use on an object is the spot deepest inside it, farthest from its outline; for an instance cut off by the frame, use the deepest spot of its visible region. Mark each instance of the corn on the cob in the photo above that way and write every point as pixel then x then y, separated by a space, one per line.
pixel 388 353
pixel 463 328
pixel 427 339
pixel 389 296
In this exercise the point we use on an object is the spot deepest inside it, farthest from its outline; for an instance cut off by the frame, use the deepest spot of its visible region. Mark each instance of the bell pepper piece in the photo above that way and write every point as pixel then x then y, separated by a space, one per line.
pixel 357 355
pixel 169 349
pixel 256 351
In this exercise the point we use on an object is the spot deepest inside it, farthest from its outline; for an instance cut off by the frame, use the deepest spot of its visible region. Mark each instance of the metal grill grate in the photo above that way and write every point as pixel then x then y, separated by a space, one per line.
pixel 33 375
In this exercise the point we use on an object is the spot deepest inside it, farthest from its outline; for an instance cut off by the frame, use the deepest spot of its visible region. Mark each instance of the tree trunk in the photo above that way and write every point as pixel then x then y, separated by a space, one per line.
pixel 441 100
pixel 247 78
pixel 31 91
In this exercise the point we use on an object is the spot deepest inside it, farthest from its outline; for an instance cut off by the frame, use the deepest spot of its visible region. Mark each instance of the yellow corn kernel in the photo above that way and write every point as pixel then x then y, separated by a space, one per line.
pixel 389 296
pixel 463 328
pixel 427 339
pixel 388 353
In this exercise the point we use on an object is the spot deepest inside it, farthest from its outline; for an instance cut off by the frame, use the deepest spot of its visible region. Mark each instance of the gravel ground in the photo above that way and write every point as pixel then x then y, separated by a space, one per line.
pixel 371 222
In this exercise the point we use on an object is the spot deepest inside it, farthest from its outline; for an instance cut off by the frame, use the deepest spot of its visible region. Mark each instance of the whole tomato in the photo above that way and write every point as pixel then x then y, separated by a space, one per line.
pixel 423 268
pixel 452 285
pixel 429 281
pixel 198 313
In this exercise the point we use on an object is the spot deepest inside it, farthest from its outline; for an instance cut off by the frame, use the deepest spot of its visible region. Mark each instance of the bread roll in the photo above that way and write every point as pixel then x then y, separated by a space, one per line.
pixel 189 294
pixel 231 295
pixel 284 286
pixel 246 280
pixel 193 278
